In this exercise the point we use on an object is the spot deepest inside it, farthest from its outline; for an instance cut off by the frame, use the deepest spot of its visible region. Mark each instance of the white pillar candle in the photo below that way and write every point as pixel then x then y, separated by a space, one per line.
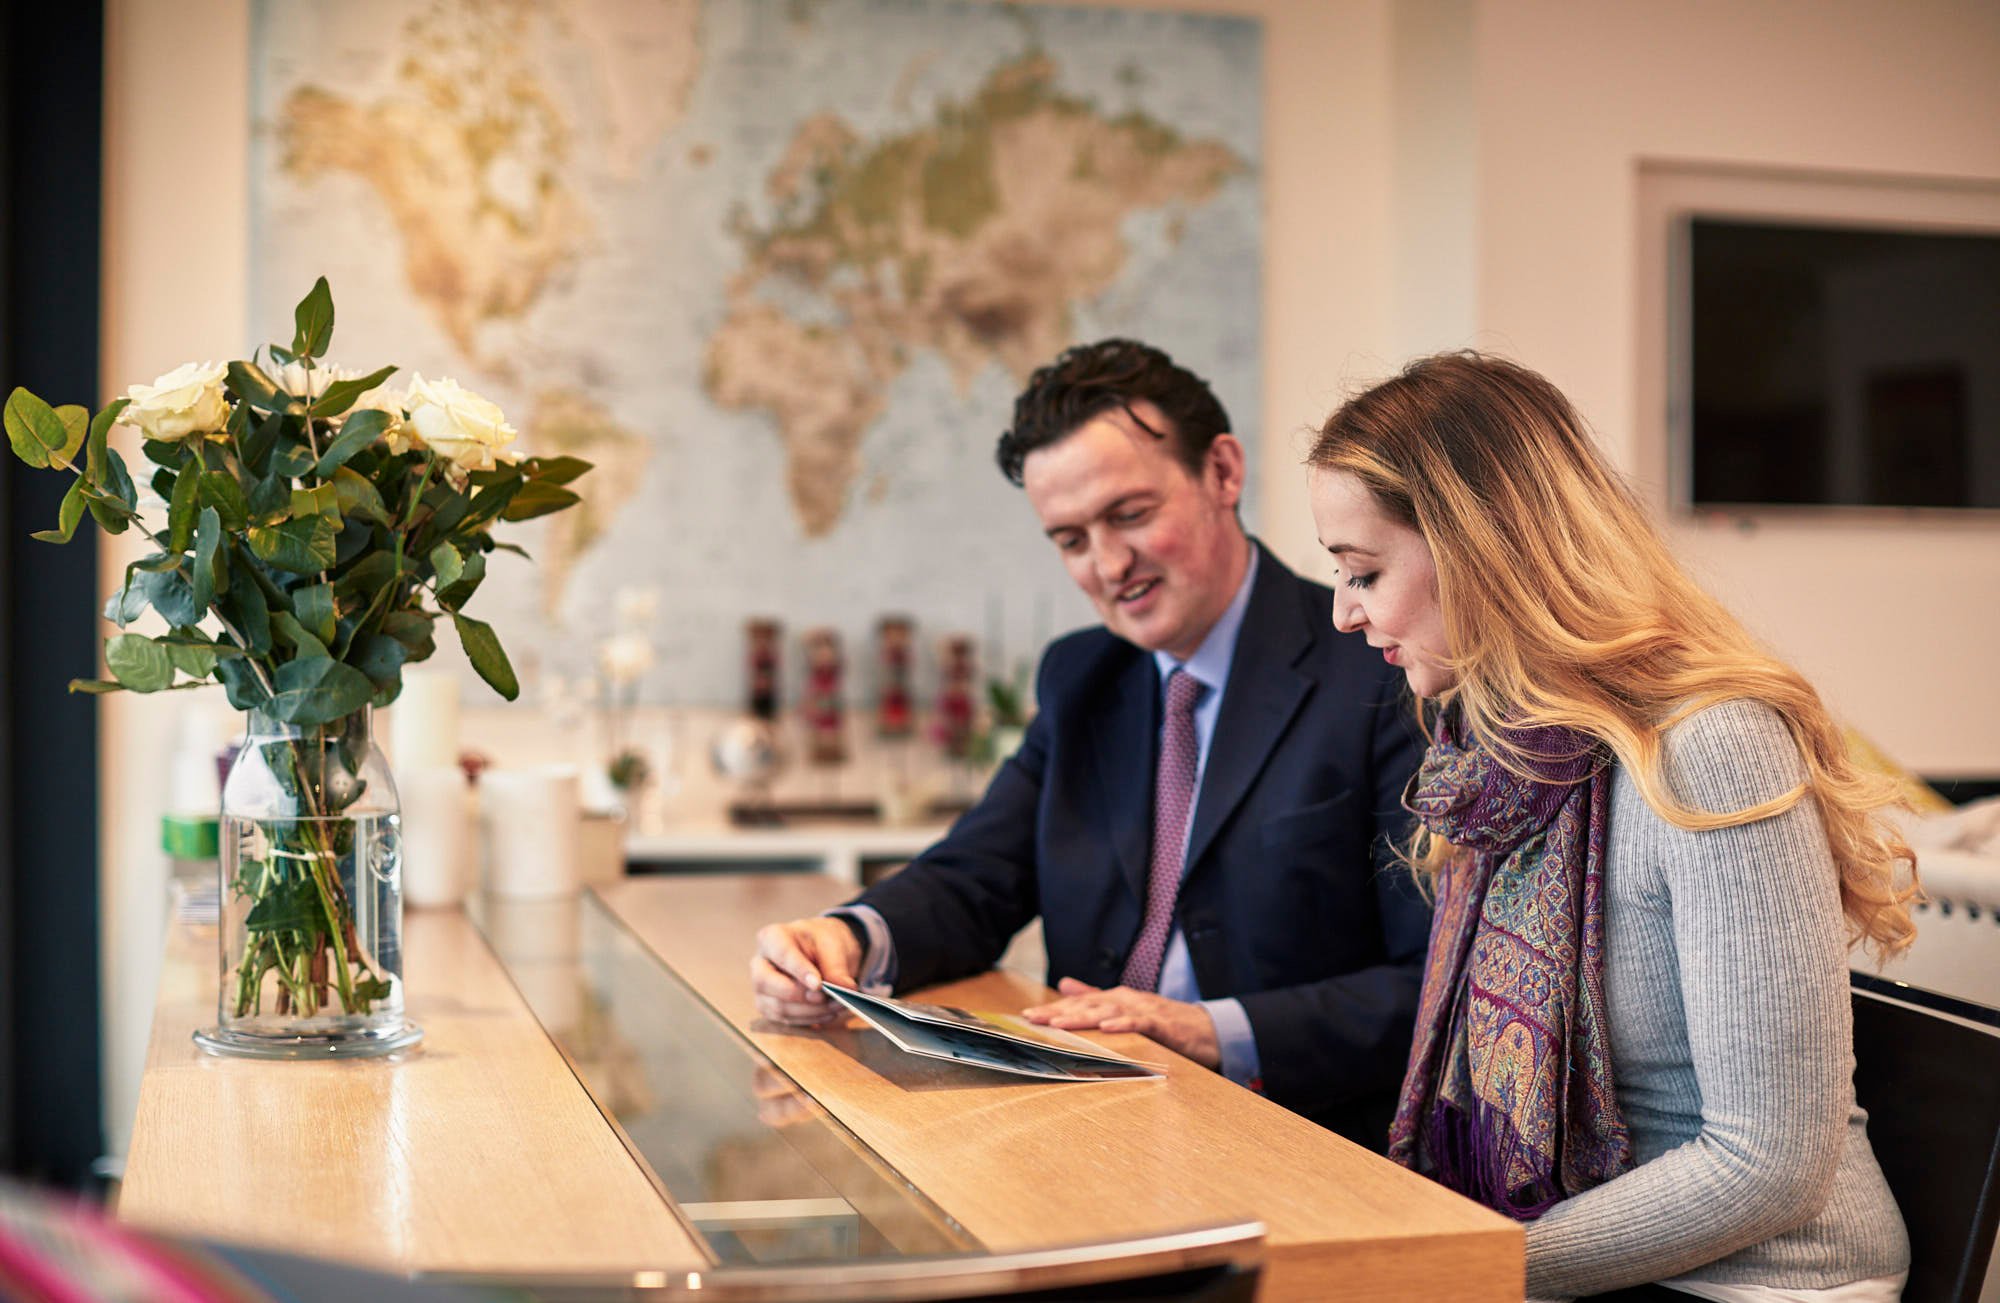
pixel 425 719
pixel 534 830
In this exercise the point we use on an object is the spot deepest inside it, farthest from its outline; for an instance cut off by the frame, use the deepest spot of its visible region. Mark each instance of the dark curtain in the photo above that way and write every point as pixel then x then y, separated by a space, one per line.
pixel 51 95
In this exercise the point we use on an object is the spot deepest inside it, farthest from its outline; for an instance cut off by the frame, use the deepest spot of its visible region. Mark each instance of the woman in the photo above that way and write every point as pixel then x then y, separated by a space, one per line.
pixel 1650 854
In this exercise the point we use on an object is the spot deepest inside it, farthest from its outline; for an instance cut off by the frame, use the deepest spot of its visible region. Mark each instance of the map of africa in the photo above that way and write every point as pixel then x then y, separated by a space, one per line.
pixel 776 266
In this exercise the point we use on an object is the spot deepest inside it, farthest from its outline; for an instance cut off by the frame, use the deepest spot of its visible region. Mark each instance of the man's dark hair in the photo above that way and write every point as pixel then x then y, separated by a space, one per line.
pixel 1092 379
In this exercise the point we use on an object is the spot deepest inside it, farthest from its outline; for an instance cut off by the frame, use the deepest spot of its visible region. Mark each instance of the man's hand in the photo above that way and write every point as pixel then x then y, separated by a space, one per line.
pixel 1184 1028
pixel 791 961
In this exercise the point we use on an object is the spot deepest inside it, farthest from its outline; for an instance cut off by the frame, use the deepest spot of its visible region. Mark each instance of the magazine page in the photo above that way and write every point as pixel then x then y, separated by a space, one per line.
pixel 1004 1026
pixel 981 1046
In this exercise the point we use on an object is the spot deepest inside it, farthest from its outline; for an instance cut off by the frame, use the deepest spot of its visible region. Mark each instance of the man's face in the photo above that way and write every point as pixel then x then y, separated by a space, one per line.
pixel 1157 550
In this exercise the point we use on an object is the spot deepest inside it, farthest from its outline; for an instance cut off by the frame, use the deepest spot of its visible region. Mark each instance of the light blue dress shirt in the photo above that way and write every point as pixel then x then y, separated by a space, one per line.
pixel 1210 667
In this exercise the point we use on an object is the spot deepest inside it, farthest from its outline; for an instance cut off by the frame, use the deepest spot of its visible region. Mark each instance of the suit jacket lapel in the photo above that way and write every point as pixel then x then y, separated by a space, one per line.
pixel 1262 695
pixel 1125 737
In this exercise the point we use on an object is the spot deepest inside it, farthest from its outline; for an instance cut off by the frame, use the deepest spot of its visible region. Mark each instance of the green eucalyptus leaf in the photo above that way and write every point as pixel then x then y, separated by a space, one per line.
pixel 367 576
pixel 318 691
pixel 356 433
pixel 219 489
pixel 287 629
pixel 356 496
pixel 448 510
pixel 554 470
pixel 239 681
pixel 173 597
pixel 355 540
pixel 413 630
pixel 138 662
pixel 322 500
pixel 164 452
pixel 208 543
pixel 130 601
pixel 538 498
pixel 96 687
pixel 270 501
pixel 314 321
pixel 489 502
pixel 109 513
pixel 181 507
pixel 76 427
pixel 446 564
pixel 118 481
pixel 68 516
pixel 282 356
pixel 100 432
pixel 340 395
pixel 314 607
pixel 381 658
pixel 249 383
pixel 515 548
pixel 483 649
pixel 33 428
pixel 255 446
pixel 303 547
pixel 195 660
pixel 293 460
pixel 126 604
pixel 457 593
pixel 245 607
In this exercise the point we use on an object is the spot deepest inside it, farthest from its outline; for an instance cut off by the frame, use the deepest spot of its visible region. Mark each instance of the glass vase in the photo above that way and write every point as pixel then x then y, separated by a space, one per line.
pixel 312 896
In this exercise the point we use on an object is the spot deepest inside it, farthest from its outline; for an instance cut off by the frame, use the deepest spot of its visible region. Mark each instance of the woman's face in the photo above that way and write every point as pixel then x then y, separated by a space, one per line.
pixel 1386 588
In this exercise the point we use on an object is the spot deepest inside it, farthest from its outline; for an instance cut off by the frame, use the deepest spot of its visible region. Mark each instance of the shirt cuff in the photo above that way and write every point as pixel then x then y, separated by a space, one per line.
pixel 1236 1041
pixel 878 957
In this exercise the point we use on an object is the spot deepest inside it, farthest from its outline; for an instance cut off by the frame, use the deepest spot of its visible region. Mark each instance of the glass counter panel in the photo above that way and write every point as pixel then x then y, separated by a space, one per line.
pixel 758 1168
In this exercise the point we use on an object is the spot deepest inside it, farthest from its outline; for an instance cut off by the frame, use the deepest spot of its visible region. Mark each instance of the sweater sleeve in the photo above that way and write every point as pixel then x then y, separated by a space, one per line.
pixel 1758 962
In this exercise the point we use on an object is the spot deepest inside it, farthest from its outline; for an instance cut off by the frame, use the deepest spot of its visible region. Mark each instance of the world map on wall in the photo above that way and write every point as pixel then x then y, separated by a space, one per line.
pixel 777 267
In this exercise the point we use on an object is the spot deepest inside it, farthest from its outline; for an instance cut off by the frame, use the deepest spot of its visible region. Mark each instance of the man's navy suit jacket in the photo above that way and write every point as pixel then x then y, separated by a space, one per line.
pixel 1293 901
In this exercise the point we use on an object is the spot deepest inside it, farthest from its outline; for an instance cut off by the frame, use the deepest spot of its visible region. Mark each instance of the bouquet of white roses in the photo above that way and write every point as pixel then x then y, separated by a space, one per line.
pixel 317 526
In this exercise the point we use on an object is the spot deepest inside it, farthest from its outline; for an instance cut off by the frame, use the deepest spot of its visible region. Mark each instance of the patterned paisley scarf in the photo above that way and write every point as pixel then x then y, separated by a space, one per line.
pixel 1508 1099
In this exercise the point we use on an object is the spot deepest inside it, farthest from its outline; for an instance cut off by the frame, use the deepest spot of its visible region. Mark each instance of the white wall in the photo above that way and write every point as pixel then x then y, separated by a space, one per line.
pixel 1898 623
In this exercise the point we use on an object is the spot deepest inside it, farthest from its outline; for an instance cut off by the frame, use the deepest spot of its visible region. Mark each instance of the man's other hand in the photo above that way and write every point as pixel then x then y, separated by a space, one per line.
pixel 793 959
pixel 1184 1028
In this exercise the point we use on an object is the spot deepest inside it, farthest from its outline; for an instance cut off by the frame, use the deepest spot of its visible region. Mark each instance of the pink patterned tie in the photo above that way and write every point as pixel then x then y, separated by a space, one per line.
pixel 1173 797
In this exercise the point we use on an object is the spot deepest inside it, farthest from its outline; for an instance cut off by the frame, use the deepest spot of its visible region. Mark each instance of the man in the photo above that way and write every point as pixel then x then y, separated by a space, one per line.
pixel 1203 808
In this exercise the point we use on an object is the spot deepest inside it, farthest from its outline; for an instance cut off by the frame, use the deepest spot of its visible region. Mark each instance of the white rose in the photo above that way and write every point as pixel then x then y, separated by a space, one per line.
pixel 186 400
pixel 394 404
pixel 295 380
pixel 459 425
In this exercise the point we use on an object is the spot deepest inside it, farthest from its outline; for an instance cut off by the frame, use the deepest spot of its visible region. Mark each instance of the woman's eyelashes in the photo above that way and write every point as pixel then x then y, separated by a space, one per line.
pixel 1360 581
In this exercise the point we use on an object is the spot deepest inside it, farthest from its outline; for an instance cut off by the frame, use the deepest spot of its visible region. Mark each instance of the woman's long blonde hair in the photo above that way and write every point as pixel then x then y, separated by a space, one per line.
pixel 1563 606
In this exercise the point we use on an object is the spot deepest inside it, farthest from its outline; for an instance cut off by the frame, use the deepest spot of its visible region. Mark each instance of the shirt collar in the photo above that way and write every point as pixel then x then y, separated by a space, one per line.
pixel 1210 662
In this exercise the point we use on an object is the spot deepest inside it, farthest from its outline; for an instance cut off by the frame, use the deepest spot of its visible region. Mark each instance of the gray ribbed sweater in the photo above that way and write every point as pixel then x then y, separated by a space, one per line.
pixel 1732 1042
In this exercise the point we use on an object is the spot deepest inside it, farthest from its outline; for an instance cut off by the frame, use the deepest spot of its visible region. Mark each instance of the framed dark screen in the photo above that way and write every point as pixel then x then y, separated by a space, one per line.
pixel 1843 366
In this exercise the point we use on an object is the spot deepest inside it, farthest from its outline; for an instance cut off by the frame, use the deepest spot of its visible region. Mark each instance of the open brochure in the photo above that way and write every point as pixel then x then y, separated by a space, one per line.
pixel 1004 1042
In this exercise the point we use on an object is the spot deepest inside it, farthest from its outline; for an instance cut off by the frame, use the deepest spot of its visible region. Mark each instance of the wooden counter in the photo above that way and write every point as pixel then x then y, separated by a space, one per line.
pixel 481 1151
pixel 1021 1163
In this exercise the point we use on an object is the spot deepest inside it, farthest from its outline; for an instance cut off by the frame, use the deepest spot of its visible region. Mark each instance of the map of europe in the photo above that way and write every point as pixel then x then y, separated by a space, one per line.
pixel 776 266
